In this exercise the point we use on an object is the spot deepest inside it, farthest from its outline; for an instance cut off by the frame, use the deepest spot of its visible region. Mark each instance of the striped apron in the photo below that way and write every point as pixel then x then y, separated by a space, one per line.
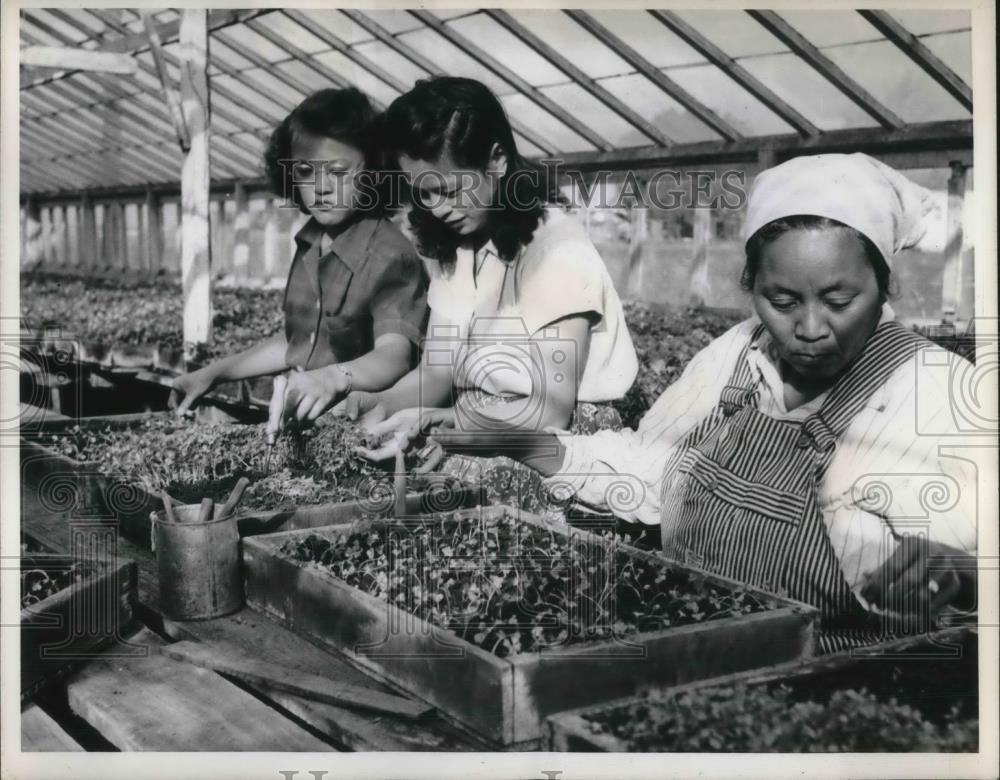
pixel 740 494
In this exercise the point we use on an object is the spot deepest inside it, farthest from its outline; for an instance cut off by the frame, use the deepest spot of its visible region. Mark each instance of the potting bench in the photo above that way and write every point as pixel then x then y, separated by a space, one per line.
pixel 136 699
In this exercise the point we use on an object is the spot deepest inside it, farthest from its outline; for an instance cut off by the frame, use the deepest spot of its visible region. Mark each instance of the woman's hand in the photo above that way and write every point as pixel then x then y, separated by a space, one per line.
pixel 310 393
pixel 406 427
pixel 922 578
pixel 190 387
pixel 363 407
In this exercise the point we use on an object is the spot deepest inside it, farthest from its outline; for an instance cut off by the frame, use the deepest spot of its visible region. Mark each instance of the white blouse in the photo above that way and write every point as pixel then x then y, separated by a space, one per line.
pixel 902 466
pixel 492 309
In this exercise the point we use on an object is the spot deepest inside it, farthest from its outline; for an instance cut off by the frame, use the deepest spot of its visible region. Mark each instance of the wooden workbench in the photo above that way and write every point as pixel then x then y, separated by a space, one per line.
pixel 137 699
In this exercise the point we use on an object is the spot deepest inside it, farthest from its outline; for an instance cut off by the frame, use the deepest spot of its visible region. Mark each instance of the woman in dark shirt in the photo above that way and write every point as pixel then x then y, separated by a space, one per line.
pixel 355 301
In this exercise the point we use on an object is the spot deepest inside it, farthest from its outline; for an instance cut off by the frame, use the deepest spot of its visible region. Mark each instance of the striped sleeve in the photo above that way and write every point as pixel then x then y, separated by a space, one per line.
pixel 621 471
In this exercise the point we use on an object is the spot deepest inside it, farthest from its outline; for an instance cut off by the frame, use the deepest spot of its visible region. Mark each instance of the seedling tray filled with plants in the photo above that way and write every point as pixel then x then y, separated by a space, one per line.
pixel 500 620
pixel 311 477
pixel 916 694
pixel 70 609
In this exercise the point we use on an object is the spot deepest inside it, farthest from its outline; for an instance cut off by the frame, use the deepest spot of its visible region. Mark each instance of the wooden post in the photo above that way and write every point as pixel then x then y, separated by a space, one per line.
pixel 31 240
pixel 153 245
pixel 241 234
pixel 87 237
pixel 271 239
pixel 700 288
pixel 60 235
pixel 639 219
pixel 73 236
pixel 951 283
pixel 196 251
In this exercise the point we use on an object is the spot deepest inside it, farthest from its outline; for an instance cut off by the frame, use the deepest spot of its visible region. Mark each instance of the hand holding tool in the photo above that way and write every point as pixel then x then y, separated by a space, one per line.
pixel 275 415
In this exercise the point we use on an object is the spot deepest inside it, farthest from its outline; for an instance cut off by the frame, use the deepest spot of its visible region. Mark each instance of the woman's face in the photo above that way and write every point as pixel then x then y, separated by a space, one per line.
pixel 817 295
pixel 323 172
pixel 460 196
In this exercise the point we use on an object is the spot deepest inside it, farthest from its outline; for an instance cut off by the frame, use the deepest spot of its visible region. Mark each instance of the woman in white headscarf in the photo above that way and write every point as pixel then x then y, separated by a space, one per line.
pixel 802 450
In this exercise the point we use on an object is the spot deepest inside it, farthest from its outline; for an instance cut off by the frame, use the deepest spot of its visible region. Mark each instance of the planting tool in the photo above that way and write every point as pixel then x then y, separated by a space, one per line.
pixel 205 511
pixel 275 411
pixel 168 508
pixel 227 660
pixel 399 485
pixel 234 497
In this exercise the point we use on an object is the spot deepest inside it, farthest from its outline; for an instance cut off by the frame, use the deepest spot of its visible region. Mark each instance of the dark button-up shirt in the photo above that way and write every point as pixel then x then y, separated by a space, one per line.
pixel 345 291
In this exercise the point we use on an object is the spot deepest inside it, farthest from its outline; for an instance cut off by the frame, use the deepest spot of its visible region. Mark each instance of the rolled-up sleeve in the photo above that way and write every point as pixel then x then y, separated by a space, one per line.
pixel 399 300
pixel 621 471
pixel 904 467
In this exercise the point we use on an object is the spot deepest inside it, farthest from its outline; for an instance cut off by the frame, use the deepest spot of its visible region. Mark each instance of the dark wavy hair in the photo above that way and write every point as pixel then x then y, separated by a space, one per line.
pixel 345 115
pixel 773 230
pixel 465 119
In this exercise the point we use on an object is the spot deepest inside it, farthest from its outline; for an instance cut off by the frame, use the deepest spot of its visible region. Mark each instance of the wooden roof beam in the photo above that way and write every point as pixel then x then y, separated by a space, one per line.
pixel 531 92
pixel 928 61
pixel 74 59
pixel 376 30
pixel 654 74
pixel 822 64
pixel 735 71
pixel 169 93
pixel 560 62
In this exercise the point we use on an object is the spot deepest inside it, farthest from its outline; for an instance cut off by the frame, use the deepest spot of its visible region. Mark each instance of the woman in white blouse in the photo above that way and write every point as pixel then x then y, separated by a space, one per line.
pixel 806 450
pixel 526 330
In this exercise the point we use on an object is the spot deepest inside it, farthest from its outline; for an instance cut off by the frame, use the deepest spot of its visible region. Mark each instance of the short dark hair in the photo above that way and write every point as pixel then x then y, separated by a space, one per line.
pixel 464 118
pixel 773 230
pixel 345 115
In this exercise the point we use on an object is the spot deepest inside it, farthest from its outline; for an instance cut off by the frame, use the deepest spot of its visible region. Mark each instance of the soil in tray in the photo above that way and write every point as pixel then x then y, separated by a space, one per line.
pixel 868 705
pixel 42 579
pixel 510 587
pixel 192 460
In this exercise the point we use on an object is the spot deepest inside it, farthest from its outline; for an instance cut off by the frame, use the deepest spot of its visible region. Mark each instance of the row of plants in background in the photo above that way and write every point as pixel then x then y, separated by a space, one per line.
pixel 511 587
pixel 191 460
pixel 151 312
pixel 44 580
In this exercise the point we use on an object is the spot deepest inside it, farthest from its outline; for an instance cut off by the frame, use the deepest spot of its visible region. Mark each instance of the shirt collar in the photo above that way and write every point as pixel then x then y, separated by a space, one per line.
pixel 350 244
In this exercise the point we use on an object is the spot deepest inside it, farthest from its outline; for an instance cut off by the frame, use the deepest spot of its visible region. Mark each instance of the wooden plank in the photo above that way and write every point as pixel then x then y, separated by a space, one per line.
pixel 153 233
pixel 87 236
pixel 39 733
pixel 578 76
pixel 914 48
pixel 32 248
pixel 226 659
pixel 826 67
pixel 169 93
pixel 157 703
pixel 654 74
pixel 714 54
pixel 196 252
pixel 65 58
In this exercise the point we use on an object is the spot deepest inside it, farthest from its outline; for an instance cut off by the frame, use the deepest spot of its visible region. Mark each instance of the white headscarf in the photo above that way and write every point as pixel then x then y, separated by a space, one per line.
pixel 854 189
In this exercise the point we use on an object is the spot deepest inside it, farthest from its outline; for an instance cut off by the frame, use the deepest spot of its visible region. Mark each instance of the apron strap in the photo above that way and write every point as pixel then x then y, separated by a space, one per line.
pixel 890 346
pixel 742 387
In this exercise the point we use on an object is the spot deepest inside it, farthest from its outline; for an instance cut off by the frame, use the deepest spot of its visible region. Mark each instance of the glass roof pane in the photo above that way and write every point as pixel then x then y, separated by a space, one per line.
pixel 526 148
pixel 572 41
pixel 250 95
pixel 831 28
pixel 729 100
pixel 35 36
pixel 218 50
pixel 921 22
pixel 501 44
pixel 898 82
pixel 57 24
pixel 293 32
pixel 662 111
pixel 338 24
pixel 452 13
pixel 543 124
pixel 452 60
pixel 651 38
pixel 92 23
pixel 301 72
pixel 735 32
pixel 955 50
pixel 387 59
pixel 373 87
pixel 808 92
pixel 395 21
pixel 595 115
pixel 258 44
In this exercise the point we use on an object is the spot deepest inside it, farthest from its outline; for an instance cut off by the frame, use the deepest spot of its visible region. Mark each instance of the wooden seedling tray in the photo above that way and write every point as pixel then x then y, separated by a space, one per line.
pixel 86 491
pixel 75 622
pixel 507 699
pixel 570 731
